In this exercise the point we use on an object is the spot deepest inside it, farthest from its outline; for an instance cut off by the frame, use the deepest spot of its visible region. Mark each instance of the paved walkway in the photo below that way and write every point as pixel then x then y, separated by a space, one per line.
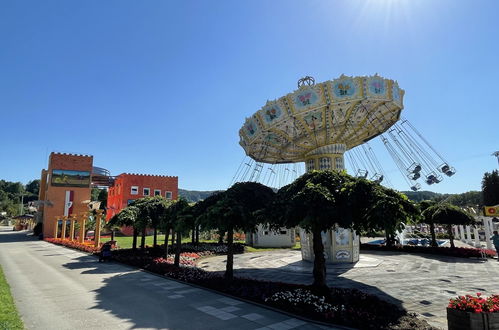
pixel 422 284
pixel 58 288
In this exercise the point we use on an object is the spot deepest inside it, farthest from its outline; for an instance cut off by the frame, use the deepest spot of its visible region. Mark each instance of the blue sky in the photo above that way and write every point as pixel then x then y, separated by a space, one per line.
pixel 162 87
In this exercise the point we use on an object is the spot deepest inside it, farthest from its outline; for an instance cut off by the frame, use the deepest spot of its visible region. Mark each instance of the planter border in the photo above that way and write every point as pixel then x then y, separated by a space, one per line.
pixel 458 319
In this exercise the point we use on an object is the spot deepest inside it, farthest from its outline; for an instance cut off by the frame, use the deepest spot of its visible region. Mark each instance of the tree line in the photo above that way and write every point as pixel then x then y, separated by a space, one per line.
pixel 14 196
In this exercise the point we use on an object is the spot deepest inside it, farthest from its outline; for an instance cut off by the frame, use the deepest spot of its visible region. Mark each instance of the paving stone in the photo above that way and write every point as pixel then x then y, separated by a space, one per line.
pixel 230 301
pixel 295 322
pixel 252 316
pixel 230 309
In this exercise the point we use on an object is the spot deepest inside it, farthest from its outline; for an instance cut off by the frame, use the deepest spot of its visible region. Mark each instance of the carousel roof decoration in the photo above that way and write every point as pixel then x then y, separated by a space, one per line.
pixel 337 116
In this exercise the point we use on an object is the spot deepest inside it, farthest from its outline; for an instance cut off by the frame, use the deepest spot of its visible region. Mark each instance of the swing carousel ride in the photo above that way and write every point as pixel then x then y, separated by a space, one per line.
pixel 319 125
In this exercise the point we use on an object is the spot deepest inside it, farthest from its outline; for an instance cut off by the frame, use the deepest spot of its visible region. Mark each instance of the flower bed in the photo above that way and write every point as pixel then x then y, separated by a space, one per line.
pixel 154 257
pixel 215 248
pixel 476 304
pixel 444 251
pixel 74 245
pixel 470 312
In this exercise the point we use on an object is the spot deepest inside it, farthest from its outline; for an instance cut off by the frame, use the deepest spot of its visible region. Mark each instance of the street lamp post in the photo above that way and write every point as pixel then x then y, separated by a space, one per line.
pixel 497 155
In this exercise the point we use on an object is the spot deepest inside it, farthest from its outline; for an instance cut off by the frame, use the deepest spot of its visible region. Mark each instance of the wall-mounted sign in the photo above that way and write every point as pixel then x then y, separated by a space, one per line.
pixel 69 178
pixel 491 211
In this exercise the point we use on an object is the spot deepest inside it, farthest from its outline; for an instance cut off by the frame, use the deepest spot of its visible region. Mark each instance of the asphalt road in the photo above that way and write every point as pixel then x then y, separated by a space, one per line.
pixel 59 288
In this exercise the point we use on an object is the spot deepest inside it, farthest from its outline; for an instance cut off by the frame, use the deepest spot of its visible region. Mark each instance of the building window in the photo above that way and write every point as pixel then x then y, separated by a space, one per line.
pixel 168 194
pixel 283 232
pixel 134 190
pixel 157 192
pixel 147 191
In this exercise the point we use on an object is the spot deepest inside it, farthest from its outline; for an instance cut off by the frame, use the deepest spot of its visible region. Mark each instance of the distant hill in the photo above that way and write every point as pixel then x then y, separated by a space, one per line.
pixel 418 196
pixel 194 195
pixel 468 198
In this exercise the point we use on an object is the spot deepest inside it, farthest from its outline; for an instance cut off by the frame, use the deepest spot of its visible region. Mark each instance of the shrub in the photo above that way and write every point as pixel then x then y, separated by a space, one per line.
pixel 214 248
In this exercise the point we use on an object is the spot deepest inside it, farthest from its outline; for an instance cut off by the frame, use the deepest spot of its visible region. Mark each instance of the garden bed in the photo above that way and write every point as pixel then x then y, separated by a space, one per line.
pixel 443 251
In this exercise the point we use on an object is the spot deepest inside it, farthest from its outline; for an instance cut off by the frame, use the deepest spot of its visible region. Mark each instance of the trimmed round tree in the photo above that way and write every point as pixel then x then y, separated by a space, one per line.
pixel 427 218
pixel 448 215
pixel 127 217
pixel 317 201
pixel 235 209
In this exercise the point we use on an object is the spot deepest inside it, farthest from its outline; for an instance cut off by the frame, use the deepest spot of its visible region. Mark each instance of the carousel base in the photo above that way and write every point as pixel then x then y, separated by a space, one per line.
pixel 340 246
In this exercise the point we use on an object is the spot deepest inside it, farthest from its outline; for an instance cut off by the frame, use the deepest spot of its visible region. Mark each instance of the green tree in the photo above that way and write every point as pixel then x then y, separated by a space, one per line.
pixel 171 219
pixel 180 218
pixel 33 187
pixel 127 217
pixel 387 209
pixel 151 211
pixel 317 201
pixel 99 195
pixel 428 219
pixel 490 188
pixel 448 215
pixel 200 212
pixel 234 210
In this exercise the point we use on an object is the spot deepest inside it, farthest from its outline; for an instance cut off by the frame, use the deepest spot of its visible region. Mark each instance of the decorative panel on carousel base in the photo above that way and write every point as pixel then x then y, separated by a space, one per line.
pixel 340 246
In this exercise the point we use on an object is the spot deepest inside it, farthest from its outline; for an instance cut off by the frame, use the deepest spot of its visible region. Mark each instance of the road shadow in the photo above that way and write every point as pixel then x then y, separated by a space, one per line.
pixel 142 303
pixel 333 279
pixel 9 236
pixel 92 265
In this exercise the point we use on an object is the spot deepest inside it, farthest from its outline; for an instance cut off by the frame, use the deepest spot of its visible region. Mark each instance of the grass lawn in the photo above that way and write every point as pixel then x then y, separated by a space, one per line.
pixel 258 249
pixel 125 242
pixel 9 318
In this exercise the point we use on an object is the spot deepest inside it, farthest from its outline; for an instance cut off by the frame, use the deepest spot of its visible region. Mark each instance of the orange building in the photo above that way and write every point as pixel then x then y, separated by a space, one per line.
pixel 64 188
pixel 129 187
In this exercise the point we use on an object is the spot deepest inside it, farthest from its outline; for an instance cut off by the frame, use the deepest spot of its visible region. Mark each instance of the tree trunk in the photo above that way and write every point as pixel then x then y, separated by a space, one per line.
pixel 173 237
pixel 433 236
pixel 388 240
pixel 167 235
pixel 193 239
pixel 179 247
pixel 134 242
pixel 197 234
pixel 451 236
pixel 143 239
pixel 155 239
pixel 221 236
pixel 229 267
pixel 112 235
pixel 319 263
